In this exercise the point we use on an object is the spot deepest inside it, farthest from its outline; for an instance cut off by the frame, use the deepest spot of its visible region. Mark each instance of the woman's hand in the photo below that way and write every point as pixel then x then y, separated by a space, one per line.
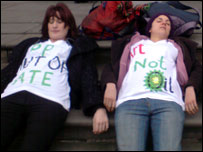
pixel 191 106
pixel 100 121
pixel 110 97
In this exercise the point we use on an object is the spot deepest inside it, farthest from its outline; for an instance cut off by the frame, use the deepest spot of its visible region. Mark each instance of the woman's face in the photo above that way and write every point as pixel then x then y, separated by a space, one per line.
pixel 161 26
pixel 57 29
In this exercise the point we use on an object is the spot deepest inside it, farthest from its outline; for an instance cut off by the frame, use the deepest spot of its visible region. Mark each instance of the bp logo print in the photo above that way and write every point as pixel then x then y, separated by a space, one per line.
pixel 154 80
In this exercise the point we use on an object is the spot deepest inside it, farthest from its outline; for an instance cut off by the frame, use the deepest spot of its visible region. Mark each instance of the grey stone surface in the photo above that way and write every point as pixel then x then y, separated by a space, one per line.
pixel 22 19
pixel 25 17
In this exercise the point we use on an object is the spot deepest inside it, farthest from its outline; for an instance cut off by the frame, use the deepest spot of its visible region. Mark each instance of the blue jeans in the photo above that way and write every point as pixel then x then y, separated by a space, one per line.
pixel 133 119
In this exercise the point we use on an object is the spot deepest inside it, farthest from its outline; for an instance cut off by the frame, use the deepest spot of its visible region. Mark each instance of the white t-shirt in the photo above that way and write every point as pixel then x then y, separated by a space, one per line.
pixel 152 73
pixel 43 72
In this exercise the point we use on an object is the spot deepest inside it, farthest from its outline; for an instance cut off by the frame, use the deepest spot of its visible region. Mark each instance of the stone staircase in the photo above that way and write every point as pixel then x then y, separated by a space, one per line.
pixel 77 133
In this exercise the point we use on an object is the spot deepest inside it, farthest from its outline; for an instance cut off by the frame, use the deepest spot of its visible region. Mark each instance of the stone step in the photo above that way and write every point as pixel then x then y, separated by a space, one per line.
pixel 106 145
pixel 197 37
pixel 11 40
pixel 76 118
pixel 191 141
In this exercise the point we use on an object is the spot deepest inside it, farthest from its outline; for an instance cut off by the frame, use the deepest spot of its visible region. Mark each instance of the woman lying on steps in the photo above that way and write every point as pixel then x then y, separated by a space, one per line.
pixel 145 84
pixel 47 77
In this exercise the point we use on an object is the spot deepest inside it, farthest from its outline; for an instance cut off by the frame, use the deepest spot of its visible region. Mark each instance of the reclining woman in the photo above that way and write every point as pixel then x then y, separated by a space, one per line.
pixel 144 82
pixel 45 78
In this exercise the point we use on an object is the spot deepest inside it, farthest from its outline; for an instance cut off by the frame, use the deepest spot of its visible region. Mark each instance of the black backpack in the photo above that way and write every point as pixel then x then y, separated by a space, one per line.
pixel 184 21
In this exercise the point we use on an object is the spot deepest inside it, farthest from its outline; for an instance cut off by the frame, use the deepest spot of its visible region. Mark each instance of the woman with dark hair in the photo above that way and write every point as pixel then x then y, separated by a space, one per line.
pixel 66 17
pixel 45 78
pixel 145 82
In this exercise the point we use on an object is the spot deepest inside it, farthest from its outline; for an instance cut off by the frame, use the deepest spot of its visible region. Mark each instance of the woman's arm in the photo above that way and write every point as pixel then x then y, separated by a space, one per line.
pixel 194 70
pixel 191 105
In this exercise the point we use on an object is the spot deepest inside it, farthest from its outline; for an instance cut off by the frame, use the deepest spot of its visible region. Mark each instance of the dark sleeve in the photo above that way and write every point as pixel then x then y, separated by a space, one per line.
pixel 15 60
pixel 86 85
pixel 195 72
pixel 74 68
pixel 90 87
pixel 194 68
pixel 107 76
pixel 111 71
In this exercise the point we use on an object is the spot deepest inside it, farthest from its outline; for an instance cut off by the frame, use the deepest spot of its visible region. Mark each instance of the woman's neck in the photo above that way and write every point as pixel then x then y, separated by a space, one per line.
pixel 157 39
pixel 154 38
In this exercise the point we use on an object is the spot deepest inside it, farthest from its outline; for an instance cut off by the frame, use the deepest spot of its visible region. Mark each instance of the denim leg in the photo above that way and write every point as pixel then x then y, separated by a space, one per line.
pixel 167 121
pixel 131 124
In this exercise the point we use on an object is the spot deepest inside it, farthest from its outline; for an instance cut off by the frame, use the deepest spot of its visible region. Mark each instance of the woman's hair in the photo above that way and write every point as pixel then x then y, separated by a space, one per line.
pixel 65 15
pixel 149 24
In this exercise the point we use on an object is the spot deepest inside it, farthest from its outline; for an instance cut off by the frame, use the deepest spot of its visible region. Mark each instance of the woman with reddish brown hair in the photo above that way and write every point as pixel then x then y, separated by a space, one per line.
pixel 66 17
pixel 45 78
